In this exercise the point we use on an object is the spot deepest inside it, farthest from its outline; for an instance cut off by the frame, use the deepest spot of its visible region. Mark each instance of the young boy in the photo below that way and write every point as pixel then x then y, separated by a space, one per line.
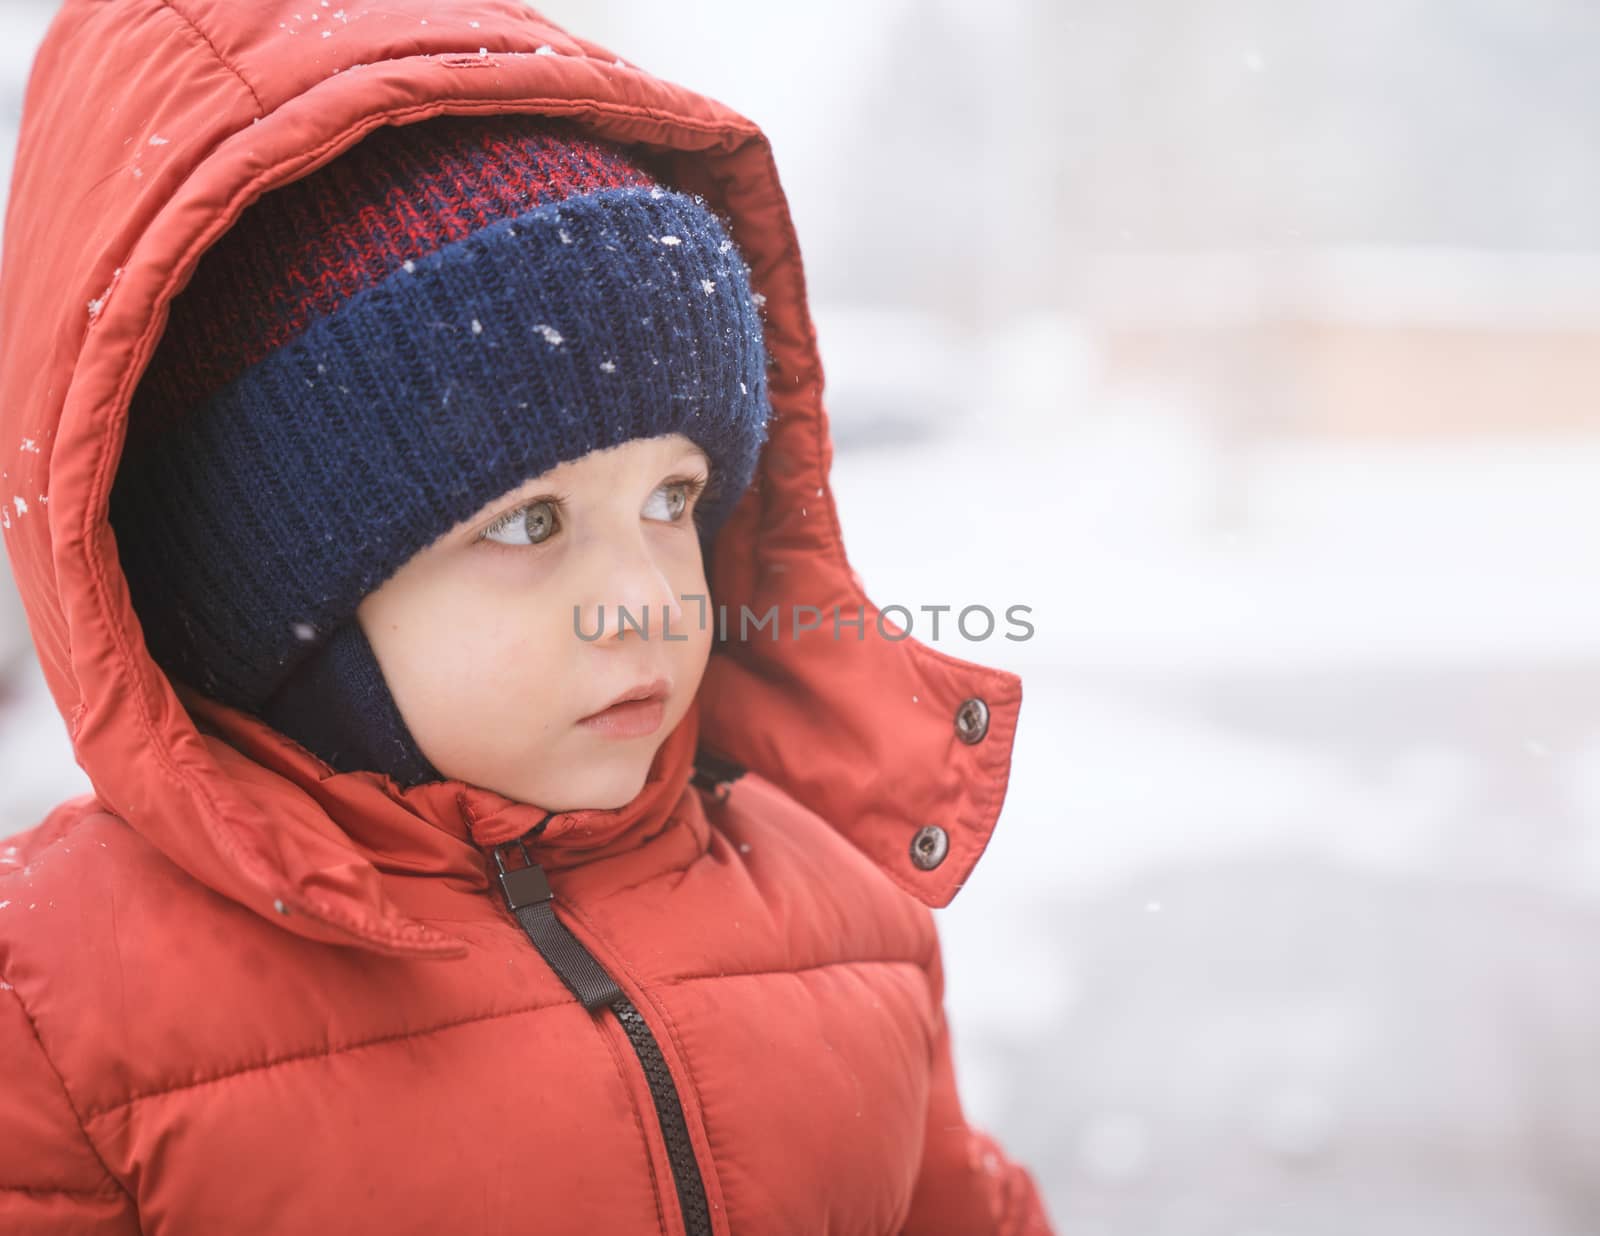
pixel 458 858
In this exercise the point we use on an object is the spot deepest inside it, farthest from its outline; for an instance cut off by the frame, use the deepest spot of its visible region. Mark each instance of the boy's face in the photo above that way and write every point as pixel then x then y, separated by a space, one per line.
pixel 475 634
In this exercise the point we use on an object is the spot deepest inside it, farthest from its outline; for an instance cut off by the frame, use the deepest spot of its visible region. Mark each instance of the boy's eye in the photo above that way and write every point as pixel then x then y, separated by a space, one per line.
pixel 527 525
pixel 680 494
pixel 538 521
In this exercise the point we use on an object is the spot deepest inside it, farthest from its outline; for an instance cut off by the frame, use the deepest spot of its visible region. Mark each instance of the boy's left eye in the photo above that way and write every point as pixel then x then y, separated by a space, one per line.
pixel 680 494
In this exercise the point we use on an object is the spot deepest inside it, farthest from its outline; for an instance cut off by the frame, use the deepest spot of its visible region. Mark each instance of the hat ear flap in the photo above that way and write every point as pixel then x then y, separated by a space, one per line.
pixel 338 706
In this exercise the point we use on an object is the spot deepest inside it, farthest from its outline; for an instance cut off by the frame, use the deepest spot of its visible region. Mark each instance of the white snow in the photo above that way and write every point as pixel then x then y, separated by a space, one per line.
pixel 98 302
pixel 551 335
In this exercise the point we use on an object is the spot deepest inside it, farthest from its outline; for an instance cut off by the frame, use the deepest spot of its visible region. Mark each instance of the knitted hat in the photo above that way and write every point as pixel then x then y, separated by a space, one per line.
pixel 372 354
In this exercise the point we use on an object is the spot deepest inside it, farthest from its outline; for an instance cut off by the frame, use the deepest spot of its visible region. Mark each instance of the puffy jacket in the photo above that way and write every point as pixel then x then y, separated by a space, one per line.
pixel 242 993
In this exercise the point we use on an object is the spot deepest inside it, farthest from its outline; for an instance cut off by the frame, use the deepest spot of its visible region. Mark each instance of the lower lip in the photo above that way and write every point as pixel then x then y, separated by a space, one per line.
pixel 632 719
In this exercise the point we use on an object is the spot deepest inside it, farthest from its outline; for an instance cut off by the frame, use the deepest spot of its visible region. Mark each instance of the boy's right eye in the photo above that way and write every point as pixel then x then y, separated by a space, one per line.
pixel 532 524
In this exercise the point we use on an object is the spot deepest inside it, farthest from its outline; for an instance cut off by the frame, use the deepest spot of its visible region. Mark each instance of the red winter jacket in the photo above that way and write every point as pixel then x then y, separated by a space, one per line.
pixel 241 993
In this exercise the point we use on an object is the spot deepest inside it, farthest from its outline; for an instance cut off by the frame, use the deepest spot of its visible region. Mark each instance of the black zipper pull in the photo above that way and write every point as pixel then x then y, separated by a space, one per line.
pixel 528 895
pixel 522 886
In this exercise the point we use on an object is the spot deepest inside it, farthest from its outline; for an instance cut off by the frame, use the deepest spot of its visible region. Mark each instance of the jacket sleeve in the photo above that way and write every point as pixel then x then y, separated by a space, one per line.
pixel 967 1185
pixel 52 1182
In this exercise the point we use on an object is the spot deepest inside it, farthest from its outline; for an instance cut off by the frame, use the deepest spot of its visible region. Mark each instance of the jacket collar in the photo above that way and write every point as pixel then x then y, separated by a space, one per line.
pixel 388 819
pixel 360 859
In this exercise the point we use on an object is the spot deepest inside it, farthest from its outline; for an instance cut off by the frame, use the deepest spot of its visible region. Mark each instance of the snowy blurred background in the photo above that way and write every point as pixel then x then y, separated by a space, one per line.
pixel 1256 347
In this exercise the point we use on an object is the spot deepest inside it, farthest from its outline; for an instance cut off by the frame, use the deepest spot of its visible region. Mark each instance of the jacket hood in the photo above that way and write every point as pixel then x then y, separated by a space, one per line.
pixel 148 127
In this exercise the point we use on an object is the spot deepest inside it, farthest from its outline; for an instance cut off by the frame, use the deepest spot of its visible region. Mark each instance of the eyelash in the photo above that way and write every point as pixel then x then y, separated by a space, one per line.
pixel 695 486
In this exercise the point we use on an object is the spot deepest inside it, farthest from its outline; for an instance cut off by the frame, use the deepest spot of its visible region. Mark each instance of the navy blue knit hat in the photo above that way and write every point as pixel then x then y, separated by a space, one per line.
pixel 376 351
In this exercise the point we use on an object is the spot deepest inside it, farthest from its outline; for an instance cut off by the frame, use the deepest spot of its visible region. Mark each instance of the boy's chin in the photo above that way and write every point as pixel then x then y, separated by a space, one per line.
pixel 605 784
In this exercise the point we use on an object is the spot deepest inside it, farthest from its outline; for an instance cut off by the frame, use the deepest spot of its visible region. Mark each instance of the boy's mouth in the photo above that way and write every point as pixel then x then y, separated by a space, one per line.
pixel 637 711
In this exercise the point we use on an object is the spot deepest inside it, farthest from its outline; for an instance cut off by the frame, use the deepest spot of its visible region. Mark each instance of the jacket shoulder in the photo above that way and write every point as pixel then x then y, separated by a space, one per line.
pixel 45 866
pixel 64 817
pixel 92 916
pixel 77 852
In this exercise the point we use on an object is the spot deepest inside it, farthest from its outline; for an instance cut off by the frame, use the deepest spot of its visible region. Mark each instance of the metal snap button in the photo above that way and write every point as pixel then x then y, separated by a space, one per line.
pixel 972 720
pixel 279 906
pixel 929 847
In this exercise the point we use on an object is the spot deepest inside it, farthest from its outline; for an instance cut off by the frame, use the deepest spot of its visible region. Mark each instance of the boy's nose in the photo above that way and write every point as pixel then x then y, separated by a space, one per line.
pixel 636 599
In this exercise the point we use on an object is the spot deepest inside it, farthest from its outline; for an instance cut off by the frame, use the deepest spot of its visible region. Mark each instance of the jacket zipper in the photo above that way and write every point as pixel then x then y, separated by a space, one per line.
pixel 527 893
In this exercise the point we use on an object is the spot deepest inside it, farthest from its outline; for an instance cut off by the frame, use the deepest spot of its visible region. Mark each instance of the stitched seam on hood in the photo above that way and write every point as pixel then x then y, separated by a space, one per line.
pixel 261 109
